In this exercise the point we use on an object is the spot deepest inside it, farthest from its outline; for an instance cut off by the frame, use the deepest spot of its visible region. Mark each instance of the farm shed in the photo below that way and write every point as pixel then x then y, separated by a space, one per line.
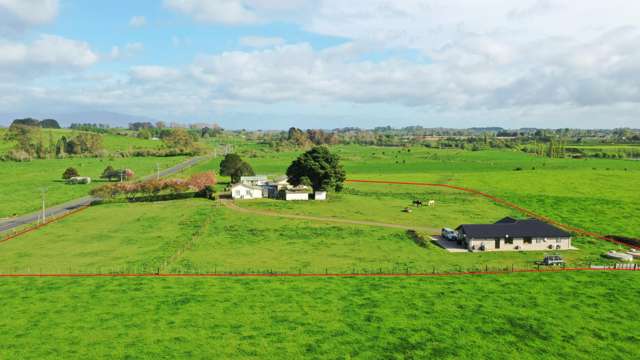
pixel 296 196
pixel 320 195
pixel 510 234
pixel 246 192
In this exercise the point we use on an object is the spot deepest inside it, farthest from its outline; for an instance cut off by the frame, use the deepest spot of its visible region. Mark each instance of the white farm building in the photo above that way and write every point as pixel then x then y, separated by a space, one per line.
pixel 246 192
pixel 296 196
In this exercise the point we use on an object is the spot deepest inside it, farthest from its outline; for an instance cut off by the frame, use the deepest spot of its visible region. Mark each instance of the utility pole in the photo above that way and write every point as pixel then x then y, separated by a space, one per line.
pixel 44 212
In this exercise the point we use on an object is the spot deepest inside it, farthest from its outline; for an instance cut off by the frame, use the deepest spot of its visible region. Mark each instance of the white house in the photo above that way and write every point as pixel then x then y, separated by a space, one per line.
pixel 511 234
pixel 246 192
pixel 320 195
pixel 296 195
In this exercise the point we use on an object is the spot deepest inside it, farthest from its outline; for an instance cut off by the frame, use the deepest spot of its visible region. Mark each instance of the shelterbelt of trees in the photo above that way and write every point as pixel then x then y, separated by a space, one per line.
pixel 554 143
pixel 33 141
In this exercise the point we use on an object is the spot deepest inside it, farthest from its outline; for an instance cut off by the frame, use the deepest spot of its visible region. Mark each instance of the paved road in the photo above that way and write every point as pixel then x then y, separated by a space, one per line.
pixel 77 203
pixel 229 204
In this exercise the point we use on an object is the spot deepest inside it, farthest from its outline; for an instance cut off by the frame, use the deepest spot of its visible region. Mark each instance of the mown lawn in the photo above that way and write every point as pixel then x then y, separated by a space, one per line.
pixel 20 182
pixel 523 316
pixel 200 236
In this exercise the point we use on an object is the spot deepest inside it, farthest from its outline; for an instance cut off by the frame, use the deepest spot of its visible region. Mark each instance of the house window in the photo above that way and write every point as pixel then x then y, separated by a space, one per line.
pixel 528 240
pixel 508 240
pixel 539 241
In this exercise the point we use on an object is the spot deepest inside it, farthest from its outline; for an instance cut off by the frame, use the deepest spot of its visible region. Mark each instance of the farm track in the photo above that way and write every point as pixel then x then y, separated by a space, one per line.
pixel 230 205
pixel 504 203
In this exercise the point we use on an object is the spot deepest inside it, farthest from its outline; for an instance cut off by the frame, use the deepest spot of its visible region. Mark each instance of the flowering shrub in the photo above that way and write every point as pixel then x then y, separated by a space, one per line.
pixel 156 187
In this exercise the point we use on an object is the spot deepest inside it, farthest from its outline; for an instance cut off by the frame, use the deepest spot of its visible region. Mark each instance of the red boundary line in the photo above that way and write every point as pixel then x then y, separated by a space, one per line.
pixel 33 228
pixel 505 203
pixel 465 273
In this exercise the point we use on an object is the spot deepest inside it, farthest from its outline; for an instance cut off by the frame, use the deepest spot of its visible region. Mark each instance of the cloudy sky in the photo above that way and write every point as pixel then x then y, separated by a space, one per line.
pixel 326 63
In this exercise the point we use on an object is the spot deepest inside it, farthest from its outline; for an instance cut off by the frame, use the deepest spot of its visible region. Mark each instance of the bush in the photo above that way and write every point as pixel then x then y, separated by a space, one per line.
pixel 17 155
pixel 69 173
pixel 418 238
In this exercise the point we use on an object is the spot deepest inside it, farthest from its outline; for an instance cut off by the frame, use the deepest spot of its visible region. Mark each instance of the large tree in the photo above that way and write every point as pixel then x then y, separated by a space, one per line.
pixel 49 124
pixel 320 168
pixel 178 139
pixel 233 165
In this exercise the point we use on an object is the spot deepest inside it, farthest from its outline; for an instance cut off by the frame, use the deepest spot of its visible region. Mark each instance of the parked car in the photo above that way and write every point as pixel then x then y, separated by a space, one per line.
pixel 450 234
pixel 552 260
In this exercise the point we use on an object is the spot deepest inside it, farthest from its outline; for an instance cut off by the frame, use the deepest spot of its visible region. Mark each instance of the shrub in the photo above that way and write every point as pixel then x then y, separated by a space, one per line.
pixel 69 173
pixel 17 155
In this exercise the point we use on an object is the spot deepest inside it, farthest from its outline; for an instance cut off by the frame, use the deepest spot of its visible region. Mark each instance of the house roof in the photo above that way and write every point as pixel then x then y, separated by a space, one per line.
pixel 254 178
pixel 513 228
pixel 246 186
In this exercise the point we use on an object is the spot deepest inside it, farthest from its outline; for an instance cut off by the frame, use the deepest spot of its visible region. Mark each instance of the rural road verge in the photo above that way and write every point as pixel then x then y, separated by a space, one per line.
pixel 230 205
pixel 61 209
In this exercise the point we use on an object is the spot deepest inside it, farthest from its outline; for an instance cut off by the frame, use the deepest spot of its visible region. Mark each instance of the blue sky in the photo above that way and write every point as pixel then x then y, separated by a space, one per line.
pixel 325 63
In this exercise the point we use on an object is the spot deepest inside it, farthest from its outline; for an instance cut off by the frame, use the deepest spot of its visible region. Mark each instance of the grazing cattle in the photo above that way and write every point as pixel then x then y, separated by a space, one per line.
pixel 417 203
pixel 431 203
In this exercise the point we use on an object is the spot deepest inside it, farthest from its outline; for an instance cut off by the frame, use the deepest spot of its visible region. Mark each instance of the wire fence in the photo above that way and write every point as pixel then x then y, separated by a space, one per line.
pixel 151 270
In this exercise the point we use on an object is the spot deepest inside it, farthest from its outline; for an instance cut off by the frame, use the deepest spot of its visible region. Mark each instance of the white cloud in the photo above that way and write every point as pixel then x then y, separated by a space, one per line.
pixel 521 60
pixel 46 52
pixel 154 73
pixel 129 50
pixel 261 41
pixel 138 21
pixel 18 15
pixel 229 12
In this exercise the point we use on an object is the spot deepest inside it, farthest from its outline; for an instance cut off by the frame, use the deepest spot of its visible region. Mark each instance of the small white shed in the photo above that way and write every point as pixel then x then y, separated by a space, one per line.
pixel 79 180
pixel 246 192
pixel 296 196
pixel 320 195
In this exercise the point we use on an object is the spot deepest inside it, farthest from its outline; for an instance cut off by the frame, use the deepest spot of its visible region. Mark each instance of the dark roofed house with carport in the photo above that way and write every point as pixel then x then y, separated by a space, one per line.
pixel 512 234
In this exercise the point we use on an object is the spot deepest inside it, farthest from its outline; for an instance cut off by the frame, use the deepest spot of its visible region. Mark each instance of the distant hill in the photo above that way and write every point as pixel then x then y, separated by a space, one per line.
pixel 110 118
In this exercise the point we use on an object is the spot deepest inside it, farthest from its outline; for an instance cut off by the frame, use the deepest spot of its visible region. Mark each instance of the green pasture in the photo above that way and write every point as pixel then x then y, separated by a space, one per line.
pixel 386 204
pixel 196 235
pixel 588 193
pixel 111 142
pixel 20 182
pixel 518 316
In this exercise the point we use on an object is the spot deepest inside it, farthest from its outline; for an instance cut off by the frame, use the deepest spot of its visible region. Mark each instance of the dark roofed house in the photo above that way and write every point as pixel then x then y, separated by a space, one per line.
pixel 513 234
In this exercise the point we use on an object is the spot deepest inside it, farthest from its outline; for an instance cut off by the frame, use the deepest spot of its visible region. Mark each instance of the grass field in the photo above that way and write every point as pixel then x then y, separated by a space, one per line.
pixel 588 193
pixel 524 316
pixel 21 181
pixel 198 235
pixel 529 316
pixel 109 141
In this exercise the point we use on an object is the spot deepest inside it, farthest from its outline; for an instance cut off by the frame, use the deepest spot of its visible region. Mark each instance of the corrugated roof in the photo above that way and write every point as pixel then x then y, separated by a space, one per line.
pixel 513 228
